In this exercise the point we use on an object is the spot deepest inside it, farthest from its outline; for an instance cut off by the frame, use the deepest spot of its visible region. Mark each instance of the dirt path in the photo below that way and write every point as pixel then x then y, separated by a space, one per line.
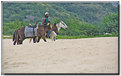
pixel 90 55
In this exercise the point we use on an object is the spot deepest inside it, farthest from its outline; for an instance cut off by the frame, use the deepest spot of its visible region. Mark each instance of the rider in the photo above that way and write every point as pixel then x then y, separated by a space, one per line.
pixel 47 22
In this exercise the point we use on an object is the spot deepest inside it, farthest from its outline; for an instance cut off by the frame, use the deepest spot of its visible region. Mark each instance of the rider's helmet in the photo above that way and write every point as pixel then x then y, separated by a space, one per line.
pixel 46 14
pixel 30 24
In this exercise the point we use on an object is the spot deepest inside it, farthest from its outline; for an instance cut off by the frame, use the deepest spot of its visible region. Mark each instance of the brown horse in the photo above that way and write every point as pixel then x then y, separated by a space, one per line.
pixel 19 35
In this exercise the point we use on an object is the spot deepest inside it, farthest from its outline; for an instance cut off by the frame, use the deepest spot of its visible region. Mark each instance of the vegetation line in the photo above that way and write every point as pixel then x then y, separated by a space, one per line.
pixel 73 37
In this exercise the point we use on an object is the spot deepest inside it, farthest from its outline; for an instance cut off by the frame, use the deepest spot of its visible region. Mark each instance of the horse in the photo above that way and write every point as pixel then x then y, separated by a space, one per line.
pixel 60 25
pixel 19 34
pixel 53 34
pixel 16 37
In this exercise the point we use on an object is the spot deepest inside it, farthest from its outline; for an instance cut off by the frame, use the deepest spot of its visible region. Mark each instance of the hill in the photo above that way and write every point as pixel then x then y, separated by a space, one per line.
pixel 81 18
pixel 34 12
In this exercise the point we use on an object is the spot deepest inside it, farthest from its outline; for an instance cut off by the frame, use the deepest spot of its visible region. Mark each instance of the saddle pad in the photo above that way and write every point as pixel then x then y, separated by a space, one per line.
pixel 29 31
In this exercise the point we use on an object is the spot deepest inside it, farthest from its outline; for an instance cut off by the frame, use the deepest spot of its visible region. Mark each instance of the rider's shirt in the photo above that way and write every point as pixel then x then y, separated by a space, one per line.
pixel 45 21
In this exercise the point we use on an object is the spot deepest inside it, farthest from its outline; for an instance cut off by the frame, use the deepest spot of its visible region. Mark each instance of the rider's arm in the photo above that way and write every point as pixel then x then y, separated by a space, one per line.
pixel 43 21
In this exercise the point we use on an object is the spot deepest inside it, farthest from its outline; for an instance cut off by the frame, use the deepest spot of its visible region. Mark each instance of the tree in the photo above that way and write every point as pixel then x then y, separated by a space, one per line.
pixel 110 24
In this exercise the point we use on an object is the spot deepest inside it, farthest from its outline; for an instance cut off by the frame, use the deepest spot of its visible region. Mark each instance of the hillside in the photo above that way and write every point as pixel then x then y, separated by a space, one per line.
pixel 81 18
pixel 34 12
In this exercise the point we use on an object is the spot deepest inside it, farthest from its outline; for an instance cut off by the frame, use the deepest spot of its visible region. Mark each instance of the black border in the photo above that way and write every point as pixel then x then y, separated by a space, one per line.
pixel 119 38
pixel 63 73
pixel 1 37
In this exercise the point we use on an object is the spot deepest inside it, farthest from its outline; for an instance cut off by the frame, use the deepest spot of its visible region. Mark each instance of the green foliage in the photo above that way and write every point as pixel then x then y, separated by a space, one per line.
pixel 10 27
pixel 76 28
pixel 110 24
pixel 82 19
pixel 55 20
pixel 34 12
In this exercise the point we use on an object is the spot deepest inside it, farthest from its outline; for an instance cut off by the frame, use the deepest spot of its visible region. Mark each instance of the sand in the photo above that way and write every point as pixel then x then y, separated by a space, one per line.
pixel 88 55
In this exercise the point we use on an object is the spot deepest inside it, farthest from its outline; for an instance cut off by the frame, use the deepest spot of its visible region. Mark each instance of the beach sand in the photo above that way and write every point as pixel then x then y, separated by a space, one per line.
pixel 86 55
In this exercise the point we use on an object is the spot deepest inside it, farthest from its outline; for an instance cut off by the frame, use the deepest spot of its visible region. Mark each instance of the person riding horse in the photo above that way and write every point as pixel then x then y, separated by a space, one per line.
pixel 46 22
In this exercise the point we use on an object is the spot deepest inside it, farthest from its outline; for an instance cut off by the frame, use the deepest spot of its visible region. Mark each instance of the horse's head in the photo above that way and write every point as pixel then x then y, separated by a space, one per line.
pixel 55 29
pixel 63 25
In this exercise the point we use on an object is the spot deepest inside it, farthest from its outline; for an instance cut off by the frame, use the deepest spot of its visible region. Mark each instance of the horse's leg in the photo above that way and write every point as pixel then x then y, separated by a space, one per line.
pixel 34 40
pixel 19 41
pixel 51 36
pixel 14 42
pixel 21 37
pixel 30 40
pixel 22 40
pixel 54 38
pixel 38 39
pixel 14 38
pixel 17 38
pixel 43 37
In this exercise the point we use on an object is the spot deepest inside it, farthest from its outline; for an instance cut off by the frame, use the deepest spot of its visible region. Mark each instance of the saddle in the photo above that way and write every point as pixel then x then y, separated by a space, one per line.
pixel 33 29
pixel 30 31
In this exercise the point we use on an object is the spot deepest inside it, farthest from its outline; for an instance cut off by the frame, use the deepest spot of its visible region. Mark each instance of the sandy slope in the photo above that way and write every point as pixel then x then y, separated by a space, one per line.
pixel 90 55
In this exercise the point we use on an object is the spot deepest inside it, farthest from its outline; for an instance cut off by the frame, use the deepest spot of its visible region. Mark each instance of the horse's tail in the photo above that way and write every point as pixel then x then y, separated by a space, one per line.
pixel 14 36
